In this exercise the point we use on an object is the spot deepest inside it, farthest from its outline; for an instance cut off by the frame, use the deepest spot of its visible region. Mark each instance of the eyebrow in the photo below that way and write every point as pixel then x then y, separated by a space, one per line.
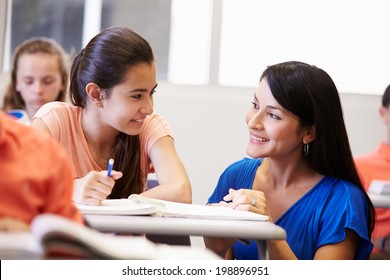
pixel 143 89
pixel 268 106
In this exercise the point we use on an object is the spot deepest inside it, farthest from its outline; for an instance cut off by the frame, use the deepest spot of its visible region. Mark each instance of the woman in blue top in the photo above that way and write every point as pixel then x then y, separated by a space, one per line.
pixel 301 171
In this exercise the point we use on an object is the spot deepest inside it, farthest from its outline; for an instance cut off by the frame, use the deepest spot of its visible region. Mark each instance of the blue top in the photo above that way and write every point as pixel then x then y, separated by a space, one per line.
pixel 319 217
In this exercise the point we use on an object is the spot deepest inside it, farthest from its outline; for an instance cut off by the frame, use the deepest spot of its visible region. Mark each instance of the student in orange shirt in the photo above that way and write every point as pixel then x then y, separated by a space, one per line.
pixel 376 166
pixel 36 177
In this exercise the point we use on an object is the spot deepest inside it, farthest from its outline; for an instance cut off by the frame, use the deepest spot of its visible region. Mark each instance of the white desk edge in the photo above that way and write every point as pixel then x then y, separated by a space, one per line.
pixel 380 200
pixel 260 231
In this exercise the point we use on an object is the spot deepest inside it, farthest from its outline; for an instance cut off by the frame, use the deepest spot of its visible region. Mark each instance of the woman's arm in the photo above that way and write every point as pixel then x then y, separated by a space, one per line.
pixel 174 183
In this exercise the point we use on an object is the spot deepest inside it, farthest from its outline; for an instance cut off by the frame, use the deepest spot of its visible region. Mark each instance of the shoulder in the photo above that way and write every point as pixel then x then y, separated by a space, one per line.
pixel 58 113
pixel 372 158
pixel 56 108
pixel 243 169
pixel 155 121
pixel 238 175
pixel 154 128
pixel 342 192
pixel 245 163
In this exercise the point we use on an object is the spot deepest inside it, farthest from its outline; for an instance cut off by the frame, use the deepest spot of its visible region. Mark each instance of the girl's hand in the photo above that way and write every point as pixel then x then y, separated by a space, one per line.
pixel 94 187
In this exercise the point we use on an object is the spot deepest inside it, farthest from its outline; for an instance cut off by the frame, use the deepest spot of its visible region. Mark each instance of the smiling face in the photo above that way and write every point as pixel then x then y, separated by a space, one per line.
pixel 128 103
pixel 274 131
pixel 38 79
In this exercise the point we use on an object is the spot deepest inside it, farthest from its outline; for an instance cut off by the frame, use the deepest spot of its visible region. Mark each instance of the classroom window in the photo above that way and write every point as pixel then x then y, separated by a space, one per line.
pixel 229 42
pixel 348 39
pixel 58 19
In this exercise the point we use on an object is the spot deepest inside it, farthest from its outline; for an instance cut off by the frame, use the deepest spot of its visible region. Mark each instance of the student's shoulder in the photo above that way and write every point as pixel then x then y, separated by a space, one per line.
pixel 154 119
pixel 244 163
pixel 371 158
pixel 156 122
pixel 365 162
pixel 55 107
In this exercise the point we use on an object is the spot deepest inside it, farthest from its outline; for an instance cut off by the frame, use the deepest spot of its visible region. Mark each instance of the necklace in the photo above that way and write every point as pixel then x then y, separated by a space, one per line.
pixel 105 159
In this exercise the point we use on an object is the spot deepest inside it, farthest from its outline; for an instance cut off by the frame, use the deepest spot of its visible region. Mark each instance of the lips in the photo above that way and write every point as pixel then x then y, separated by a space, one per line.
pixel 138 122
pixel 259 139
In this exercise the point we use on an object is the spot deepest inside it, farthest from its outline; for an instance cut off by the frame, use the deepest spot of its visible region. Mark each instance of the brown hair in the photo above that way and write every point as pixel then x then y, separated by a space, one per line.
pixel 12 98
pixel 105 61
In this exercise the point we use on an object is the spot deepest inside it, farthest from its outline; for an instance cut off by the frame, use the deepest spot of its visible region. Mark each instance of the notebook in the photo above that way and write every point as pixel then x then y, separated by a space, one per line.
pixel 55 237
pixel 140 205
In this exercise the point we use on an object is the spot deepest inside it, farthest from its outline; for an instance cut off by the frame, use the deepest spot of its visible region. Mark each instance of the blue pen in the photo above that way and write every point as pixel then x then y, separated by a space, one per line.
pixel 109 168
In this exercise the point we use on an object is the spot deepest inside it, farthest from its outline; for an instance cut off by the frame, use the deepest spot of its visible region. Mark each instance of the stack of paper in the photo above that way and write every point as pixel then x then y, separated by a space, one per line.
pixel 140 205
pixel 118 207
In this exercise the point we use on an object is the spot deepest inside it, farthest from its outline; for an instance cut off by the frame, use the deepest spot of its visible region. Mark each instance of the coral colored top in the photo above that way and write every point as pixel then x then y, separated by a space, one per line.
pixel 64 123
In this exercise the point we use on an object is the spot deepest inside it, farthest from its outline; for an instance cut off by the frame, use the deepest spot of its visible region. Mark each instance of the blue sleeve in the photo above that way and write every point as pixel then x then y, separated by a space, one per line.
pixel 345 211
pixel 237 176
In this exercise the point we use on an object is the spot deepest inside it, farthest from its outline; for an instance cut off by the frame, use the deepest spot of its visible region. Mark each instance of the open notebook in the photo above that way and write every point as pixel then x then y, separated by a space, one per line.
pixel 140 205
pixel 118 207
pixel 55 237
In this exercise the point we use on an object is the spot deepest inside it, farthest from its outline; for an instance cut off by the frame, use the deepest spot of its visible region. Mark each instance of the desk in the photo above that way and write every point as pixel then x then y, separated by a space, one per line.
pixel 380 200
pixel 259 231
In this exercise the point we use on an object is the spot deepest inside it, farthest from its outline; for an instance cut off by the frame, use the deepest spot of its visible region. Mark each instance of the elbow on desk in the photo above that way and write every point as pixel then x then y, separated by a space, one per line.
pixel 185 192
pixel 181 191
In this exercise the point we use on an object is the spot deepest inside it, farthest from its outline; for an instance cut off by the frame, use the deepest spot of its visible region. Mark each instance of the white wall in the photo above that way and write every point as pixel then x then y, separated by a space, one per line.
pixel 210 130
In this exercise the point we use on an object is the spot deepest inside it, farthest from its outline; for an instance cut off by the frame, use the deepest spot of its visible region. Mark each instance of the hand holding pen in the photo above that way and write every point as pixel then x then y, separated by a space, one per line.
pixel 109 168
pixel 96 185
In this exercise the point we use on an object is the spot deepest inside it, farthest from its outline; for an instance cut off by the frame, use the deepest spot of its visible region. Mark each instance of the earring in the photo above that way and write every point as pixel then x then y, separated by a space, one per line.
pixel 306 149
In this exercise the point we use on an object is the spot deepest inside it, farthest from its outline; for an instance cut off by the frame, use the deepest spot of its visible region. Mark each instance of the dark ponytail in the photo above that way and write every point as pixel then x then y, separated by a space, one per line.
pixel 105 61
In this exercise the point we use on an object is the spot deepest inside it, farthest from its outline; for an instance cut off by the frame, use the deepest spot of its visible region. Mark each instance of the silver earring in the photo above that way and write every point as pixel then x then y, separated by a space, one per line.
pixel 306 149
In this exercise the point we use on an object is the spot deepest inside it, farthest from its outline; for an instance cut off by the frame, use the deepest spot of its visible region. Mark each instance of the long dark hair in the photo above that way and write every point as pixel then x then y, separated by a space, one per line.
pixel 13 98
pixel 309 92
pixel 105 61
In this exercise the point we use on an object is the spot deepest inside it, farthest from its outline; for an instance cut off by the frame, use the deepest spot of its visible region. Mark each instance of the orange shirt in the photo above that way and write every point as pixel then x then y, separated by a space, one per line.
pixel 64 123
pixel 36 176
pixel 376 166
